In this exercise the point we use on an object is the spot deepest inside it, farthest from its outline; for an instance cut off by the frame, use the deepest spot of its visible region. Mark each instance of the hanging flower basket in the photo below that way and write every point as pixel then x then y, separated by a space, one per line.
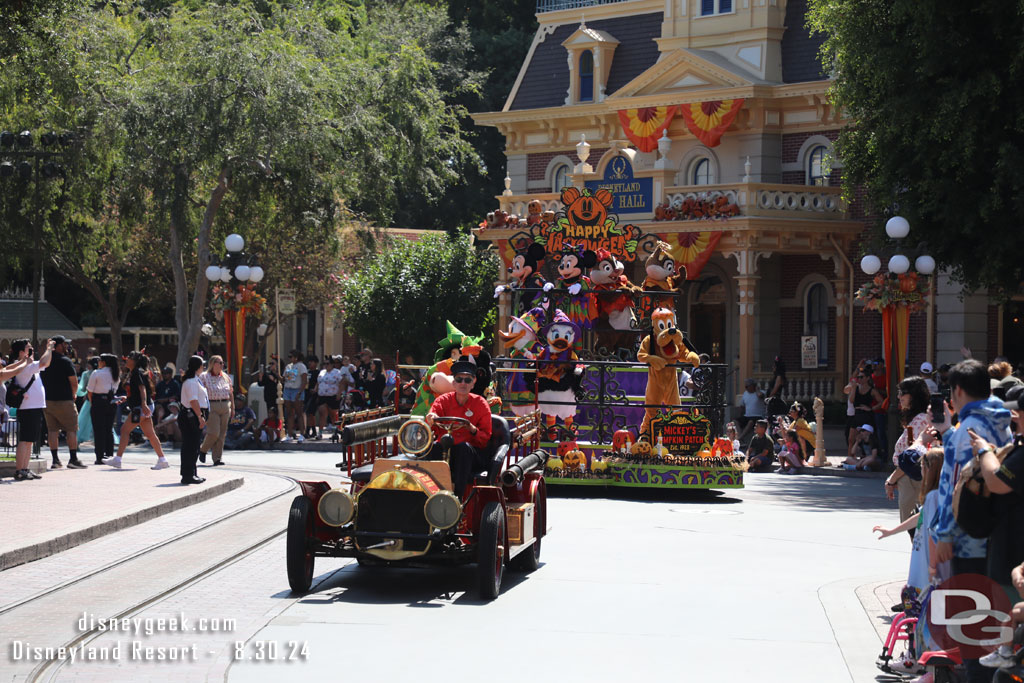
pixel 240 298
pixel 906 289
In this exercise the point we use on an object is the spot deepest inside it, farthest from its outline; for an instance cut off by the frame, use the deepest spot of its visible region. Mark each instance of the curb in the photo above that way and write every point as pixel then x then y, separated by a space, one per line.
pixel 38 551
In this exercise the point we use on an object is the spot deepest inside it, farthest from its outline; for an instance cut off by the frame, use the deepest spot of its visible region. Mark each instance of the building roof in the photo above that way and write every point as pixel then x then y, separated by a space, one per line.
pixel 16 315
pixel 546 80
pixel 800 61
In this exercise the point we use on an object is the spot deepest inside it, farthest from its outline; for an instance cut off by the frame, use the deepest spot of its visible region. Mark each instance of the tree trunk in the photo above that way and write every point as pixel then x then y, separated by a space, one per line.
pixel 189 318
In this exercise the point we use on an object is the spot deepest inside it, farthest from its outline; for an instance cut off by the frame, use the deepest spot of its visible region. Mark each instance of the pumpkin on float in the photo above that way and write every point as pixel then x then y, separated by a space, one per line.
pixel 554 464
pixel 566 446
pixel 641 449
pixel 597 465
pixel 620 438
pixel 722 447
pixel 704 453
pixel 575 460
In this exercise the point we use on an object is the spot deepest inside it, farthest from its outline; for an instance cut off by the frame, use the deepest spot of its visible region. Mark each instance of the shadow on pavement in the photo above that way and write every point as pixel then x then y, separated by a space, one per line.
pixel 641 495
pixel 822 493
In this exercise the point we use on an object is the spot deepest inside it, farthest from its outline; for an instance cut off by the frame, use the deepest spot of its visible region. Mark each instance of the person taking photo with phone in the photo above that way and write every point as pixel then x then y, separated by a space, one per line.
pixel 32 402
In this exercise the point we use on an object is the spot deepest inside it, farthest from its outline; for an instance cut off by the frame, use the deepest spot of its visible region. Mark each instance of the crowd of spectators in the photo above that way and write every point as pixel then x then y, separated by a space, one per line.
pixel 113 402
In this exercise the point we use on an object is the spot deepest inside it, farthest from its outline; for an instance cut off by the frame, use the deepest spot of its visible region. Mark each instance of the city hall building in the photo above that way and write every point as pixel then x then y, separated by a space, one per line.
pixel 690 108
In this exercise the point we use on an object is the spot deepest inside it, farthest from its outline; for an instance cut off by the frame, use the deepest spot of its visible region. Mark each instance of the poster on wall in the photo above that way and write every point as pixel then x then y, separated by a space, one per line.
pixel 809 353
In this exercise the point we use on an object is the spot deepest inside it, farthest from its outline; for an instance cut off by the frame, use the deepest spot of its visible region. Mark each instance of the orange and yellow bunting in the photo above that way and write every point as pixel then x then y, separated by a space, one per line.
pixel 644 126
pixel 692 249
pixel 709 120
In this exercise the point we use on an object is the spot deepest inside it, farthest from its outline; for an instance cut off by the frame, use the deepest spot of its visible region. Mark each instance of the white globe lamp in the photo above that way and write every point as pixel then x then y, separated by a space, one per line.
pixel 256 274
pixel 234 242
pixel 206 329
pixel 899 264
pixel 242 273
pixel 213 273
pixel 870 264
pixel 897 227
pixel 924 264
pixel 225 274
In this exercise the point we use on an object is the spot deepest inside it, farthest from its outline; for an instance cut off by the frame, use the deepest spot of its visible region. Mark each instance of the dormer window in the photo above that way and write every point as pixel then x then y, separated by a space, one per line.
pixel 586 76
pixel 590 60
pixel 711 7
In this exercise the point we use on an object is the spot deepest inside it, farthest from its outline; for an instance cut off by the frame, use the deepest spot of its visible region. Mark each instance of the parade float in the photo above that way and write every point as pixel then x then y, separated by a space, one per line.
pixel 601 358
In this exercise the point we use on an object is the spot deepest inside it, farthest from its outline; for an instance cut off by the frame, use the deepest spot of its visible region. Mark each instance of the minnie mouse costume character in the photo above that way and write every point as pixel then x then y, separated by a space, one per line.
pixel 614 302
pixel 559 382
pixel 525 275
pixel 580 307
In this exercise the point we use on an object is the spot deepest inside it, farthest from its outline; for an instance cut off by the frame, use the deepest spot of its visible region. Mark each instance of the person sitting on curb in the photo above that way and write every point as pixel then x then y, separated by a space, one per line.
pixel 863 452
pixel 761 451
pixel 270 430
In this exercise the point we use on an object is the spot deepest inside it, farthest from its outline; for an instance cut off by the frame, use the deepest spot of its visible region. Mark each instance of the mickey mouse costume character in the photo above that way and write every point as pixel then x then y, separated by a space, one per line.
pixel 662 347
pixel 558 382
pixel 580 307
pixel 614 302
pixel 663 274
pixel 521 342
pixel 525 275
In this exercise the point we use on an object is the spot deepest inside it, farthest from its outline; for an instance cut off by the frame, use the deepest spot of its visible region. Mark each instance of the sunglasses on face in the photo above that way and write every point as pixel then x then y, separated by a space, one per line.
pixel 464 380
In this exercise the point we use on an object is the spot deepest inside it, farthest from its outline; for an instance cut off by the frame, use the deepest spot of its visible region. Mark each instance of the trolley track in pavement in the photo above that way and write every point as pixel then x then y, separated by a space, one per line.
pixel 46 670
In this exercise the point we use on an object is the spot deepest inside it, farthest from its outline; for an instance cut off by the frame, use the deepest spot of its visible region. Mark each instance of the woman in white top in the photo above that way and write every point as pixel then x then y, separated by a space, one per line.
pixel 222 407
pixel 100 393
pixel 30 412
pixel 195 406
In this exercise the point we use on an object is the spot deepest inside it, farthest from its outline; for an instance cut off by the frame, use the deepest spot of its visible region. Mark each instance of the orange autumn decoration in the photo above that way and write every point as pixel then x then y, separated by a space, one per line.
pixel 708 121
pixel 644 126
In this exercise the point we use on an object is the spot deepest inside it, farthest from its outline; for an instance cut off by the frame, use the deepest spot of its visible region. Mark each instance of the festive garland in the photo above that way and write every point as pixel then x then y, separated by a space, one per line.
pixel 243 298
pixel 906 289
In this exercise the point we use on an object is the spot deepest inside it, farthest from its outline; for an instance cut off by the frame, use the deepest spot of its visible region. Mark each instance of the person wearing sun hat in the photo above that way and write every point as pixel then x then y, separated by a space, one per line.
pixel 470 442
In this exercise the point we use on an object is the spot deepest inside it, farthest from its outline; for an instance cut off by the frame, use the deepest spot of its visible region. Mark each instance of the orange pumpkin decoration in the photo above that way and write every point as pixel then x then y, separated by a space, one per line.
pixel 566 446
pixel 620 438
pixel 575 460
pixel 641 448
pixel 722 447
pixel 704 453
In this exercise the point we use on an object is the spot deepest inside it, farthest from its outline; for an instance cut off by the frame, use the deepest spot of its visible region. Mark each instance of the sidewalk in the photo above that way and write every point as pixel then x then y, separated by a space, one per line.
pixel 70 507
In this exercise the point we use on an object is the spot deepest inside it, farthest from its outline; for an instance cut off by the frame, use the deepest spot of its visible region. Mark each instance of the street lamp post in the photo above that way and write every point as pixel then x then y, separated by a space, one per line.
pixel 236 270
pixel 896 228
pixel 37 164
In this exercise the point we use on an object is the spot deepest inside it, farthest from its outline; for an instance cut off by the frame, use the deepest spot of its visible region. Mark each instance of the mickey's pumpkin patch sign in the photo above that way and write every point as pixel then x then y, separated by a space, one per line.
pixel 585 221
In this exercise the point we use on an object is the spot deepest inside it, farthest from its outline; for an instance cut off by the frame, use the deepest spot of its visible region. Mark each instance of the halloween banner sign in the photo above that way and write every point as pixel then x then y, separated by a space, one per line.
pixel 585 221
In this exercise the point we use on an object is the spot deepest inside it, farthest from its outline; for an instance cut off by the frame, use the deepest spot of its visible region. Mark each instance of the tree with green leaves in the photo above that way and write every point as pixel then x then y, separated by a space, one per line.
pixel 400 300
pixel 937 130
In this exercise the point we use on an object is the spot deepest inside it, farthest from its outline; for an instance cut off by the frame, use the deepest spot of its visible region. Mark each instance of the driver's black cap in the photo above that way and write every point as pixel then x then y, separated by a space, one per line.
pixel 461 367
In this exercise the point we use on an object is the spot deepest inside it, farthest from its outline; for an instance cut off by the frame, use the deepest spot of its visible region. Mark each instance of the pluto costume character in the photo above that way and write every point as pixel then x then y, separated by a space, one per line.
pixel 661 348
pixel 438 379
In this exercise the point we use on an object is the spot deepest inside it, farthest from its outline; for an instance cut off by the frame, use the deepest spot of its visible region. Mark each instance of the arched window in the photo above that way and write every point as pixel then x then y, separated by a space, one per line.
pixel 816 318
pixel 817 166
pixel 560 178
pixel 703 173
pixel 586 76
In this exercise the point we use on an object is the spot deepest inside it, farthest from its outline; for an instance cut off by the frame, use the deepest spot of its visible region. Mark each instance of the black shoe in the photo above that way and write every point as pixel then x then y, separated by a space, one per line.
pixel 98 462
pixel 56 465
pixel 202 457
pixel 219 463
pixel 898 607
pixel 77 465
pixel 192 480
pixel 21 475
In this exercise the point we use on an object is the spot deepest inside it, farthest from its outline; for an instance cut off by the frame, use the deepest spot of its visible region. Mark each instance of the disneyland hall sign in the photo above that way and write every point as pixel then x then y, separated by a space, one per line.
pixel 631 195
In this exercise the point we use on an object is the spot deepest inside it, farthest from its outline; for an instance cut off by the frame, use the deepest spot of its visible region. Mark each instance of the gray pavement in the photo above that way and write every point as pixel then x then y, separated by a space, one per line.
pixel 767 583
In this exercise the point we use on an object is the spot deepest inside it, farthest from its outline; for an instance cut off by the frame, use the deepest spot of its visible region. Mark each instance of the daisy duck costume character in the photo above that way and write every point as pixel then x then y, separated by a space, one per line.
pixel 559 378
pixel 521 341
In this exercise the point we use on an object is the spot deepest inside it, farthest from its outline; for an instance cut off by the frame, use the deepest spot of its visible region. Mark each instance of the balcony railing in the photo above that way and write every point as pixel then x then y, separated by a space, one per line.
pixel 752 199
pixel 555 5
pixel 803 386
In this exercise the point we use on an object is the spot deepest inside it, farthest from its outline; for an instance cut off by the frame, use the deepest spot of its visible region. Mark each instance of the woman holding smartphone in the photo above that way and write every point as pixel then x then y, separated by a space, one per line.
pixel 140 403
pixel 101 388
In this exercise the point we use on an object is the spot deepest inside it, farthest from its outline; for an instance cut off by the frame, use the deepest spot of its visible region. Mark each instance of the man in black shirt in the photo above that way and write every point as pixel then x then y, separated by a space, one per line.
pixel 61 384
pixel 761 451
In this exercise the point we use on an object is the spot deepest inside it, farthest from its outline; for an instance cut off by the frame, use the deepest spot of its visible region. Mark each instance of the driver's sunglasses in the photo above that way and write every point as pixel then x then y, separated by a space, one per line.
pixel 464 380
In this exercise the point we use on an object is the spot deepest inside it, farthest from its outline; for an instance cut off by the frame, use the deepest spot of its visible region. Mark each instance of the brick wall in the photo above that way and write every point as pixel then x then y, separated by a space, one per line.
pixel 792 142
pixel 537 164
pixel 791 328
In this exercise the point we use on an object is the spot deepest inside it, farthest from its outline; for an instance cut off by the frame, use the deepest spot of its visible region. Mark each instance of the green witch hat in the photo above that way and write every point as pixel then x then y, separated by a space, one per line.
pixel 456 339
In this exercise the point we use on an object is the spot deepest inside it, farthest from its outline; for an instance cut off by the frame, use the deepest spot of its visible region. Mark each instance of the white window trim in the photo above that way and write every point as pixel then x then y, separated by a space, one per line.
pixel 687 165
pixel 803 157
pixel 549 172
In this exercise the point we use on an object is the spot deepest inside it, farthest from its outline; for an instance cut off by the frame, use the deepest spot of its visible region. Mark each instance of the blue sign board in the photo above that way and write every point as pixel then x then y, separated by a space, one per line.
pixel 632 195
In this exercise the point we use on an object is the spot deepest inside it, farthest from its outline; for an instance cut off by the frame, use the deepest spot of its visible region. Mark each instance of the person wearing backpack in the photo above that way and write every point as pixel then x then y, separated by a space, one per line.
pixel 25 392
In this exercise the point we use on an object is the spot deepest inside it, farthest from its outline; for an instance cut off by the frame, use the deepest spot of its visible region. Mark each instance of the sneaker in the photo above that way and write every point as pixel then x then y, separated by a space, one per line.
pixel 161 464
pixel 116 462
pixel 906 667
pixel 77 465
pixel 21 475
pixel 29 474
pixel 1001 658
pixel 298 438
pixel 56 465
pixel 286 439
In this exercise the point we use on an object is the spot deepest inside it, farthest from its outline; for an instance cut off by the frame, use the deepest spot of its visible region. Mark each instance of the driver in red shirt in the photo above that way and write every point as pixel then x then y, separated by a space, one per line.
pixel 468 455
